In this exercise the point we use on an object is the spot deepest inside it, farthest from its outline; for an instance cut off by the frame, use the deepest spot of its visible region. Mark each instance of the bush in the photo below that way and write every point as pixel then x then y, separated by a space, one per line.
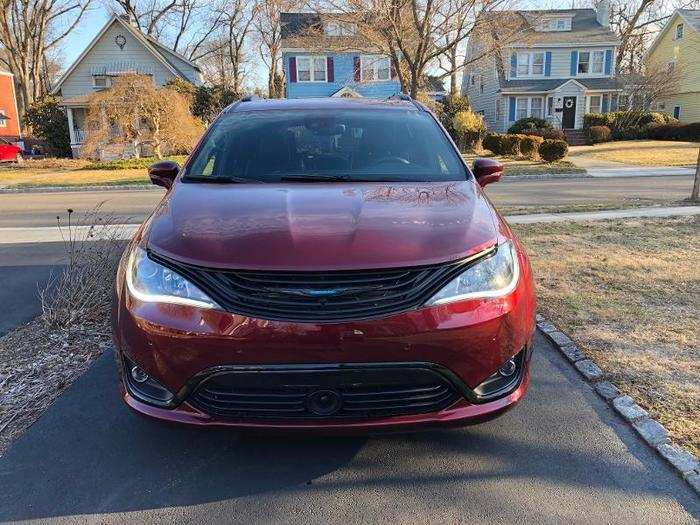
pixel 675 131
pixel 131 164
pixel 207 102
pixel 598 134
pixel 552 150
pixel 630 133
pixel 529 124
pixel 598 119
pixel 510 144
pixel 492 142
pixel 469 128
pixel 49 122
pixel 552 134
pixel 452 105
pixel 530 145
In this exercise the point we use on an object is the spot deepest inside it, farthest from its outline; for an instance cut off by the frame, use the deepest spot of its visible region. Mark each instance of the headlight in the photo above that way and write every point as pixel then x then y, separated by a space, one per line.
pixel 149 281
pixel 493 276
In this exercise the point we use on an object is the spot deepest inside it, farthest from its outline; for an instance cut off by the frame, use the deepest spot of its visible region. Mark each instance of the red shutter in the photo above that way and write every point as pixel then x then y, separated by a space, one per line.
pixel 329 69
pixel 356 68
pixel 292 69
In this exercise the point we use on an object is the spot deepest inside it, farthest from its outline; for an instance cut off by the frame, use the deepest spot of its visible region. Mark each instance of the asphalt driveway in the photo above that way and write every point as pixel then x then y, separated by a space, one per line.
pixel 561 456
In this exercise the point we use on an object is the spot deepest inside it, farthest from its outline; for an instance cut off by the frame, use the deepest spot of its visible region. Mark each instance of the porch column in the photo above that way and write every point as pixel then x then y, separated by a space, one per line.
pixel 71 129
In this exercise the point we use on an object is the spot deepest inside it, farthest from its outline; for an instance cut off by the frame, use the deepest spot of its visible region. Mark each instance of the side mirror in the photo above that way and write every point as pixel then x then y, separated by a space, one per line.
pixel 163 173
pixel 487 171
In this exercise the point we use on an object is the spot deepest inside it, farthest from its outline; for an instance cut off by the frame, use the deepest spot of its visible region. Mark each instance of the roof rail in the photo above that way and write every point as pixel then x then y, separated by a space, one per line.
pixel 249 98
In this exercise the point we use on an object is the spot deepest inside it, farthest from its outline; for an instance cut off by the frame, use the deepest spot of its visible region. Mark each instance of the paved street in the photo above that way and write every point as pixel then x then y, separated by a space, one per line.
pixel 562 455
pixel 40 209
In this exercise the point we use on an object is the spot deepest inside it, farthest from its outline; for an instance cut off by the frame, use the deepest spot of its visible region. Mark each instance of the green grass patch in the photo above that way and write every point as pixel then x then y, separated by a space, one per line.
pixel 130 164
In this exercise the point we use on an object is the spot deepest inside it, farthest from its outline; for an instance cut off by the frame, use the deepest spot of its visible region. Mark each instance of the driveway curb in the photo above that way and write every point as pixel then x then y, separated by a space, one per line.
pixel 651 431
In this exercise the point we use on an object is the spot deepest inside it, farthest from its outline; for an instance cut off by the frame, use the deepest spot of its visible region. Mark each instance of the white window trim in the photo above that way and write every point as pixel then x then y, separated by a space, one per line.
pixel 675 34
pixel 528 114
pixel 108 82
pixel 312 76
pixel 3 118
pixel 680 111
pixel 590 73
pixel 531 63
pixel 374 65
pixel 589 105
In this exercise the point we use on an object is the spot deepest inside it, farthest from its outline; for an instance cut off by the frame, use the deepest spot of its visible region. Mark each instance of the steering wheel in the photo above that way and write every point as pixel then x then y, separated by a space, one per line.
pixel 391 158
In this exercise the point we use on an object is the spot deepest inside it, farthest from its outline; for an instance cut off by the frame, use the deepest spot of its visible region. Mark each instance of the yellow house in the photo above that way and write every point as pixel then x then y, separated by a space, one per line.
pixel 678 46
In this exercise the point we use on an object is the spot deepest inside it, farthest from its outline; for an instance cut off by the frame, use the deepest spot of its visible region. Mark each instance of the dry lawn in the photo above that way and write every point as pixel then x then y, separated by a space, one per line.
pixel 628 292
pixel 21 178
pixel 515 166
pixel 641 152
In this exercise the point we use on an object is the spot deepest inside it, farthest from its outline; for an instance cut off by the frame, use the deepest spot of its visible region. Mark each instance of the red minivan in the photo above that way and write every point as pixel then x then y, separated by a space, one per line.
pixel 326 265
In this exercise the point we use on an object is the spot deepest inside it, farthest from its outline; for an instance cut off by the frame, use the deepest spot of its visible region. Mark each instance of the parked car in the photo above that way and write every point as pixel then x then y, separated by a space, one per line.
pixel 10 152
pixel 324 264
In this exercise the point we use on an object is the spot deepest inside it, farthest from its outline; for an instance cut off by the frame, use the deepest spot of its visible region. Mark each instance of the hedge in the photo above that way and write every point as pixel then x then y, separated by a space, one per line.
pixel 690 132
pixel 529 124
pixel 530 145
pixel 598 134
pixel 553 134
pixel 551 150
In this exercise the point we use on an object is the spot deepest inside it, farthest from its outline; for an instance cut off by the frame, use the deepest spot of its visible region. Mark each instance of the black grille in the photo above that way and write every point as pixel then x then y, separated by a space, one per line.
pixel 320 296
pixel 358 394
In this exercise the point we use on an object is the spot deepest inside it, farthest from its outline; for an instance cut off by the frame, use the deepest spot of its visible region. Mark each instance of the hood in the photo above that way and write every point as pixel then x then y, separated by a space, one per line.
pixel 321 226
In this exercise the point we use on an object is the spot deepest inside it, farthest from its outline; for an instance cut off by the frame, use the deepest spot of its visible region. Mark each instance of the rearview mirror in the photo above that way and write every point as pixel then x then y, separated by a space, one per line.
pixel 487 171
pixel 163 173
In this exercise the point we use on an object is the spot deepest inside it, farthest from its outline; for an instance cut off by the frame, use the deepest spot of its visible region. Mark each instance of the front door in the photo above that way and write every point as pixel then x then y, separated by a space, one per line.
pixel 568 117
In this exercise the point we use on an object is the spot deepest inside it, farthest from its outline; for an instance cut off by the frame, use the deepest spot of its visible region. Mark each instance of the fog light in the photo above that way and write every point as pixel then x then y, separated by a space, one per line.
pixel 508 369
pixel 139 375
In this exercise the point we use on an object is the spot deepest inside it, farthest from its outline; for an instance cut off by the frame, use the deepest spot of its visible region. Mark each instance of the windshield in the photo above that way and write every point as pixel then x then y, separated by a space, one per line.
pixel 355 145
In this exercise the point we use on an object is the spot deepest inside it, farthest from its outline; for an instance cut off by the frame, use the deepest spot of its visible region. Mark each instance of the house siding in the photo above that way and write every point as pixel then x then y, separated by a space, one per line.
pixel 343 75
pixel 485 102
pixel 8 105
pixel 105 51
pixel 684 53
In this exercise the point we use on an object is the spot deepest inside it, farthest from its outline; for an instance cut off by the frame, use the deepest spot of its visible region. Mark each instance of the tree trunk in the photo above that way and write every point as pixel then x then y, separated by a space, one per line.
pixel 695 195
pixel 453 75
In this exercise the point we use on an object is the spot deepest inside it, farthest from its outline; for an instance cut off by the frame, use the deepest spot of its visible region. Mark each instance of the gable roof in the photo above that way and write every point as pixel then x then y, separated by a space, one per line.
pixel 689 16
pixel 585 28
pixel 540 85
pixel 158 50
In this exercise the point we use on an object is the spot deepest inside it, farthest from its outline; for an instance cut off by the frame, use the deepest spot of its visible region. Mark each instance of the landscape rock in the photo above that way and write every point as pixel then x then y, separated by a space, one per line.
pixel 589 369
pixel 681 459
pixel 607 390
pixel 628 409
pixel 651 431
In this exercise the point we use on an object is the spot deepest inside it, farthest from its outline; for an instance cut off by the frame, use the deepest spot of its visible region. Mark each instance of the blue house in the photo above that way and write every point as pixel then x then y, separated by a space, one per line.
pixel 322 57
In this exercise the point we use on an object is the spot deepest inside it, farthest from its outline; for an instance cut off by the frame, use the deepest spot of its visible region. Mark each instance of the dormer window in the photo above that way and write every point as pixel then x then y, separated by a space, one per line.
pixel 339 28
pixel 554 24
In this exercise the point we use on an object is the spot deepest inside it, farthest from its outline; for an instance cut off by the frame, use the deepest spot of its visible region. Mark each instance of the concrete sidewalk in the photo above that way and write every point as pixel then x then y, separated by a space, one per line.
pixel 17 235
pixel 639 171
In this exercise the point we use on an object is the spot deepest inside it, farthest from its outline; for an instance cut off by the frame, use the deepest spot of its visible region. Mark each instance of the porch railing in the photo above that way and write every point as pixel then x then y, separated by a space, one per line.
pixel 80 136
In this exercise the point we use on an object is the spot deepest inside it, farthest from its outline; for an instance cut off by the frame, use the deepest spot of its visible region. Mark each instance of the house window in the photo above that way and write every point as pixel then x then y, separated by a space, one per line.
pixel 536 107
pixel 555 24
pixel 3 118
pixel 677 112
pixel 598 58
pixel 550 106
pixel 595 104
pixel 523 64
pixel 591 62
pixel 671 66
pixel 584 58
pixel 679 31
pixel 530 64
pixel 473 79
pixel 481 83
pixel 339 28
pixel 375 67
pixel 101 82
pixel 311 69
pixel 528 107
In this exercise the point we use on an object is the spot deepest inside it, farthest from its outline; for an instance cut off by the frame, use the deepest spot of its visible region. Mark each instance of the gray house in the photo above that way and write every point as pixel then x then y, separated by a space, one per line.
pixel 556 64
pixel 119 48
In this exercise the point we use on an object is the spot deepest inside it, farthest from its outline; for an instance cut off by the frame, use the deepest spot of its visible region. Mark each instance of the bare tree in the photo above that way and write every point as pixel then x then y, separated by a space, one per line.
pixel 29 29
pixel 268 29
pixel 415 34
pixel 695 194
pixel 237 21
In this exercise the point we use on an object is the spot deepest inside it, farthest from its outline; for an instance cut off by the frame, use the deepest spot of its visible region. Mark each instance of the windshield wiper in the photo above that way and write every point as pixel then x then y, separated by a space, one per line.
pixel 312 178
pixel 222 180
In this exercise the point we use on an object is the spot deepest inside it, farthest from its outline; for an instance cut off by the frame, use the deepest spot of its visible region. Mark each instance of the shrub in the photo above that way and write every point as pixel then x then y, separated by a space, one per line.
pixel 551 150
pixel 208 101
pixel 598 119
pixel 49 122
pixel 675 131
pixel 452 105
pixel 552 134
pixel 469 128
pixel 510 144
pixel 492 142
pixel 630 133
pixel 530 145
pixel 529 124
pixel 598 134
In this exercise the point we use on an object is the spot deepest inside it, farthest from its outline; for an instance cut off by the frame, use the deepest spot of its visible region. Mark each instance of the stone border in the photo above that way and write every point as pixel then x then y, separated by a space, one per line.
pixel 651 431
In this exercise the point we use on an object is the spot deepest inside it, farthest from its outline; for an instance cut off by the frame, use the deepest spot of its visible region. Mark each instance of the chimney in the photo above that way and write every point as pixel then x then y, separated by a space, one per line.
pixel 603 13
